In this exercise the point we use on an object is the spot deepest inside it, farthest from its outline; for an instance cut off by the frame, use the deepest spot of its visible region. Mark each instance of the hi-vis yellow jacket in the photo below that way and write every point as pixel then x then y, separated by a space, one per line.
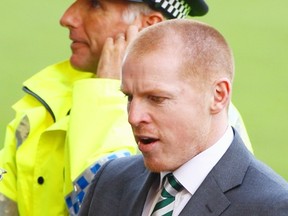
pixel 49 162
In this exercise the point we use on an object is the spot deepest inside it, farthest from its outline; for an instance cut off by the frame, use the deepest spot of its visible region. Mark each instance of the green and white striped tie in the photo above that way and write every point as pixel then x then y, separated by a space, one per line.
pixel 165 203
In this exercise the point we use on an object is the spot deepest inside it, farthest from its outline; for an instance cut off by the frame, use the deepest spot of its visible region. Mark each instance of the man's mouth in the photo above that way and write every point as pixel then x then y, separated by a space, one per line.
pixel 146 140
pixel 146 144
pixel 76 41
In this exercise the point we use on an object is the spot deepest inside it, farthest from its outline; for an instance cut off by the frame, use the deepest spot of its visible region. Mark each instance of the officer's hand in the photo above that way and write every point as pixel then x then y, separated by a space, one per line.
pixel 110 62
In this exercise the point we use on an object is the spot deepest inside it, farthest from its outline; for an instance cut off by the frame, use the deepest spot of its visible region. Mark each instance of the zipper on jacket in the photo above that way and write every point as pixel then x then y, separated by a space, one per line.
pixel 28 91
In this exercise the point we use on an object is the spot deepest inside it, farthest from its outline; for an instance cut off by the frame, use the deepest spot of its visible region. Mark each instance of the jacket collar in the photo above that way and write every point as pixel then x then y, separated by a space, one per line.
pixel 53 86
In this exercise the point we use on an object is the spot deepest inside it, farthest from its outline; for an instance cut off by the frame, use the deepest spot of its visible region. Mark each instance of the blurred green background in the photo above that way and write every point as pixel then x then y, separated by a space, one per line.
pixel 31 38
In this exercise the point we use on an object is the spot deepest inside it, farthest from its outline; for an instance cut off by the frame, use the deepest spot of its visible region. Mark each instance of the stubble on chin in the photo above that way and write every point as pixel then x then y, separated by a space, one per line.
pixel 156 165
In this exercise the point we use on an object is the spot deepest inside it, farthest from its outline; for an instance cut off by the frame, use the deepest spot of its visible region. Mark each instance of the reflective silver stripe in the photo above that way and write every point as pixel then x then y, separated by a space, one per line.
pixel 81 183
pixel 2 172
pixel 22 131
pixel 7 206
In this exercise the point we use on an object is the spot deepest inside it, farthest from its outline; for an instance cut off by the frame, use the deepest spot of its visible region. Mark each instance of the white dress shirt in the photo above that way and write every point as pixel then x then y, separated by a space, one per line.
pixel 190 175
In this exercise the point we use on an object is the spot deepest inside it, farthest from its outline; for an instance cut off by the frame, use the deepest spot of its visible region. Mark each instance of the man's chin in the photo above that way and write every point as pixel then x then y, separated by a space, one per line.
pixel 154 165
pixel 82 65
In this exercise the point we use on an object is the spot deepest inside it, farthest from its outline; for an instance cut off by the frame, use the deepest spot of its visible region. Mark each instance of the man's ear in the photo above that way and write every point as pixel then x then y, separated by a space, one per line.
pixel 221 95
pixel 152 18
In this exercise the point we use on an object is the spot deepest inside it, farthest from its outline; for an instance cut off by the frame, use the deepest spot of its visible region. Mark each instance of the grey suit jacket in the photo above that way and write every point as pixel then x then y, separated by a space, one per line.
pixel 239 185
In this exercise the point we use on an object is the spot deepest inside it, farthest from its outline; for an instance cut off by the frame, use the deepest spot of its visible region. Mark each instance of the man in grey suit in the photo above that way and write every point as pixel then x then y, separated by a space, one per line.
pixel 178 77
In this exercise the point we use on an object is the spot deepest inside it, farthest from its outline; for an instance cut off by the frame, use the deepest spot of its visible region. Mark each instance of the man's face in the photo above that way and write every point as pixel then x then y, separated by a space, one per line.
pixel 169 115
pixel 90 22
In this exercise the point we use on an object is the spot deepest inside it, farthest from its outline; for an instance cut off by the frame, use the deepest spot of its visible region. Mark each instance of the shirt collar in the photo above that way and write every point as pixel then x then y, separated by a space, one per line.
pixel 193 172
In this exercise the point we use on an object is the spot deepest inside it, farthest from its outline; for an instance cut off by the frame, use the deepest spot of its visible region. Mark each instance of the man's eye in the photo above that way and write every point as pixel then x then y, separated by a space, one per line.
pixel 129 97
pixel 156 99
pixel 94 3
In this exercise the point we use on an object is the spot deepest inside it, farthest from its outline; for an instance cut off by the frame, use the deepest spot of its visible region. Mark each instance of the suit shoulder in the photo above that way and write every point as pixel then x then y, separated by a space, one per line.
pixel 266 182
pixel 126 167
pixel 267 174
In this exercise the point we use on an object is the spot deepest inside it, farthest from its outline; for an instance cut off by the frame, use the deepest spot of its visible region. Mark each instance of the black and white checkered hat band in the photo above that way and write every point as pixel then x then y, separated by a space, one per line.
pixel 175 8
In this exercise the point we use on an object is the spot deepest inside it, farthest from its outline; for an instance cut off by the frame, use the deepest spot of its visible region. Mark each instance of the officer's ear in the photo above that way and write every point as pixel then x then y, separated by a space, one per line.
pixel 150 19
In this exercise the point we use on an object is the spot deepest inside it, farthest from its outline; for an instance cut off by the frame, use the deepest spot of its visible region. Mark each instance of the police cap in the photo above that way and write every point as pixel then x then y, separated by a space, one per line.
pixel 178 8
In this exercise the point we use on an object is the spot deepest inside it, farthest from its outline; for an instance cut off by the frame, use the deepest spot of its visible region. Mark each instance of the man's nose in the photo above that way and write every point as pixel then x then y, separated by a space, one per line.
pixel 137 114
pixel 71 17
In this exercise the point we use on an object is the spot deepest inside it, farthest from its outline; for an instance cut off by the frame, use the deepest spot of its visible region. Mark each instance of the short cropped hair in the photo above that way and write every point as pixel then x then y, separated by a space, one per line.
pixel 201 50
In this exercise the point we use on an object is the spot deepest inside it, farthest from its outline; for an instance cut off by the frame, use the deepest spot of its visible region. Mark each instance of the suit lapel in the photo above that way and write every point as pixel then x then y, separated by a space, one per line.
pixel 207 200
pixel 134 198
pixel 228 173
